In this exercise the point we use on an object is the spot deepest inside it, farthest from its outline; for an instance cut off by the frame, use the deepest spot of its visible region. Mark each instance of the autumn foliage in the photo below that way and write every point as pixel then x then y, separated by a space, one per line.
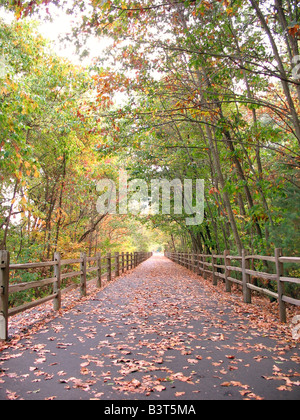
pixel 187 89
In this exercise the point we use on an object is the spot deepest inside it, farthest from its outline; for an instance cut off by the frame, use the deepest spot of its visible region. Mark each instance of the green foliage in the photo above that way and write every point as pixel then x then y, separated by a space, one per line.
pixel 208 96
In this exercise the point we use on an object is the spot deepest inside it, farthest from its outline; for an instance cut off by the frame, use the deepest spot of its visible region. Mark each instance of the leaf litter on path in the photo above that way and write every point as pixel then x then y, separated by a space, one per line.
pixel 157 331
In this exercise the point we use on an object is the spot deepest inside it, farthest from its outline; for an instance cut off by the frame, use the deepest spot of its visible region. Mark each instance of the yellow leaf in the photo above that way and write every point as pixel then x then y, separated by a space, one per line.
pixel 3 91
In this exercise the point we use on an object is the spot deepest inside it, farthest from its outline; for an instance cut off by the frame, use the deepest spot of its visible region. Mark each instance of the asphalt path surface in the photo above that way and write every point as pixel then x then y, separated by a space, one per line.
pixel 159 332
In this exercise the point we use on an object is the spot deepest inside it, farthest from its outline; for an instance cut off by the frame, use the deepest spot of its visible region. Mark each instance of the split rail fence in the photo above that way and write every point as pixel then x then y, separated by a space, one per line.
pixel 222 267
pixel 113 265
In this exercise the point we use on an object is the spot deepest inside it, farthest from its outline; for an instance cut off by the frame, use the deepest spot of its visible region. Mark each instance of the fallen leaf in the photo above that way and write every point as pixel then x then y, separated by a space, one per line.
pixel 136 383
pixel 226 384
pixel 11 395
pixel 41 360
pixel 84 371
pixel 159 388
pixel 179 394
pixel 85 364
pixel 192 361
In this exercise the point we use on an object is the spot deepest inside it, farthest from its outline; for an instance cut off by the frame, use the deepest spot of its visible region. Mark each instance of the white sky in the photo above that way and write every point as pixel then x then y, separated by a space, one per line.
pixel 61 25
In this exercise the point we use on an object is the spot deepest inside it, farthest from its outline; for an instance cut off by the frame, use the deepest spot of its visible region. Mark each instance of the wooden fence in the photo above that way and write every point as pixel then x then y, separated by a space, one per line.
pixel 104 267
pixel 223 266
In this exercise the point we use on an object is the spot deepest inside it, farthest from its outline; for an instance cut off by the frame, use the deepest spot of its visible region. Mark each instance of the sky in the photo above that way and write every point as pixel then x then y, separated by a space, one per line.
pixel 58 28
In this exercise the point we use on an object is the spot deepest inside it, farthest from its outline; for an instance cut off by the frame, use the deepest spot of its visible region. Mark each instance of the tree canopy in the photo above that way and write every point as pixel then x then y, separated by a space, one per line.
pixel 211 90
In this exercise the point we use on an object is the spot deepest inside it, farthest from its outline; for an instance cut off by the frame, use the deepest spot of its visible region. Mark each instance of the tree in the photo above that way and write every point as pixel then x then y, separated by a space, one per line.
pixel 210 94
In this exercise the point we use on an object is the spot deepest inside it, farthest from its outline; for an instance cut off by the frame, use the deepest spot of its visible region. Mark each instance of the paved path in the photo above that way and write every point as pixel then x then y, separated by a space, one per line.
pixel 160 332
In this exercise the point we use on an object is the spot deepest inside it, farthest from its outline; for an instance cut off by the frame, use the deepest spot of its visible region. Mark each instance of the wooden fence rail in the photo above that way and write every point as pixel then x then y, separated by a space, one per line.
pixel 112 265
pixel 204 264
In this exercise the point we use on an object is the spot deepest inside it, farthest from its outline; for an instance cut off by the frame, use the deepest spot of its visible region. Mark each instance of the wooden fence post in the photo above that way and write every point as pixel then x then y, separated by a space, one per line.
pixel 227 272
pixel 123 266
pixel 213 261
pixel 197 268
pixel 4 293
pixel 135 259
pixel 83 267
pixel 127 261
pixel 57 284
pixel 246 278
pixel 108 267
pixel 99 274
pixel 194 260
pixel 117 264
pixel 280 285
pixel 204 260
pixel 201 266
